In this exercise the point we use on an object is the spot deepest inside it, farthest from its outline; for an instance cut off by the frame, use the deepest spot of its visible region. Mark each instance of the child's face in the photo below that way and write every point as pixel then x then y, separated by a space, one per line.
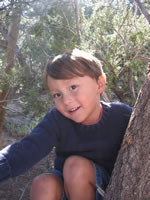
pixel 78 98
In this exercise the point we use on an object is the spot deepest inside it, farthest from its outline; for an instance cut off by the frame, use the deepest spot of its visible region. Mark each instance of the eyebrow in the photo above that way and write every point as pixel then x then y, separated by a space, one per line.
pixel 54 91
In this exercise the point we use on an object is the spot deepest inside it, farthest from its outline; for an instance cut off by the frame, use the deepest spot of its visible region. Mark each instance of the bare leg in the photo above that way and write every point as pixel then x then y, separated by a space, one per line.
pixel 46 187
pixel 79 179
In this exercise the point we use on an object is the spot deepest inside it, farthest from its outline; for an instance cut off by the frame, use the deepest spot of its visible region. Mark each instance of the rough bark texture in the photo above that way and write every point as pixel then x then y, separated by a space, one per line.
pixel 131 175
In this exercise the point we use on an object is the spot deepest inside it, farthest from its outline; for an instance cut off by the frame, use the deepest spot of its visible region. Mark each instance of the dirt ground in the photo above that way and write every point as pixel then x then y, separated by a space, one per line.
pixel 19 188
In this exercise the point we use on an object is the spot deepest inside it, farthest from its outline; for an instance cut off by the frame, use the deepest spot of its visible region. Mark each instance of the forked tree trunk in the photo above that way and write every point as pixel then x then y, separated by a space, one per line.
pixel 131 175
pixel 10 54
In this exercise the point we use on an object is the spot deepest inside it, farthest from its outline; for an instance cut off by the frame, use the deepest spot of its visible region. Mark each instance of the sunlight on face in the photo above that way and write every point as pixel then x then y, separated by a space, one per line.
pixel 78 98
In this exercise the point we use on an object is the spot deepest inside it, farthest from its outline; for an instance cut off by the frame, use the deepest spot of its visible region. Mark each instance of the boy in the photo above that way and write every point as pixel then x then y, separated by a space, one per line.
pixel 87 133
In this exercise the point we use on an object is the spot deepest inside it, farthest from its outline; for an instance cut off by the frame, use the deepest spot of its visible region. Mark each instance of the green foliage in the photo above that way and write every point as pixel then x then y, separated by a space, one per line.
pixel 10 80
pixel 117 36
pixel 35 100
pixel 17 129
pixel 35 105
pixel 60 21
pixel 114 31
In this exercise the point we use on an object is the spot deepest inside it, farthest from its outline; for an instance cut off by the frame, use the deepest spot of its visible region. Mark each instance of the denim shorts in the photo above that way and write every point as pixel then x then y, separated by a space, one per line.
pixel 102 180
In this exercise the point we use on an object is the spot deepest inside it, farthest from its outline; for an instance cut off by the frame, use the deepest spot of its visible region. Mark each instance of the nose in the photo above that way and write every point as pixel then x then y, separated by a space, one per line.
pixel 67 99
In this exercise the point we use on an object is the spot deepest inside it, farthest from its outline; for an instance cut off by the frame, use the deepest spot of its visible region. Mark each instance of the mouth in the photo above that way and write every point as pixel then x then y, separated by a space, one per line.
pixel 73 110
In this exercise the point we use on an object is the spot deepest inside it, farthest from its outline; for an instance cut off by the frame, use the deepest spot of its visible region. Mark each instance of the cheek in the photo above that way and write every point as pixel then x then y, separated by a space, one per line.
pixel 58 105
pixel 89 94
pixel 93 100
pixel 86 98
pixel 61 108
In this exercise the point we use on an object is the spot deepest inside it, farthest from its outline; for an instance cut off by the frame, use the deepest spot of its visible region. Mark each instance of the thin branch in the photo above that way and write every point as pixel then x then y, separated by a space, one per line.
pixel 47 55
pixel 23 191
pixel 142 58
pixel 15 111
pixel 69 27
pixel 143 10
pixel 11 100
pixel 121 25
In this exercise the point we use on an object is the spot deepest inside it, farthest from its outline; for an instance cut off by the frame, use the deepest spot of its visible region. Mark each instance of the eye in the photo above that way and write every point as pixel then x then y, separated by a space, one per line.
pixel 73 87
pixel 57 95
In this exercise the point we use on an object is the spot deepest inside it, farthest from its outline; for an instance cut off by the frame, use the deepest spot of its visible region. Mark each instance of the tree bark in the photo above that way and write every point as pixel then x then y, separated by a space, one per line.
pixel 131 179
pixel 10 56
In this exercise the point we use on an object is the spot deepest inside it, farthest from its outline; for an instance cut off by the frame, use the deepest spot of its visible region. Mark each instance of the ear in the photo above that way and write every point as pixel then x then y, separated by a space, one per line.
pixel 101 84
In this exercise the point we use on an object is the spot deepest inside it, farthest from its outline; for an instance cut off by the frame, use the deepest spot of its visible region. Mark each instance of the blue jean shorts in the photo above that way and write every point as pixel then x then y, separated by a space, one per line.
pixel 102 180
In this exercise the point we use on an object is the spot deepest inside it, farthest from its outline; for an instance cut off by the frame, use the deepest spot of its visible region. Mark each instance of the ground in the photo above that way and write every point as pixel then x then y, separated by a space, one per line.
pixel 19 188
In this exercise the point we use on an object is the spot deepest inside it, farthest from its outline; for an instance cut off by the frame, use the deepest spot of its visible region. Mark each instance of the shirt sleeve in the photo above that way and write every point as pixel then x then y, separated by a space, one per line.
pixel 127 110
pixel 20 156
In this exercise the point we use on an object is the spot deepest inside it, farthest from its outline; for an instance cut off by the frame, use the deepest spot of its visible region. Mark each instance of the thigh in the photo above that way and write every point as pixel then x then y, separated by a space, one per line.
pixel 102 180
pixel 79 176
pixel 46 186
pixel 60 175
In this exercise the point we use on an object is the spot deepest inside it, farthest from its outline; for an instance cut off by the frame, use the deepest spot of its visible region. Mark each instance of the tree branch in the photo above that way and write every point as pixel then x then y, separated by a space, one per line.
pixel 142 58
pixel 143 10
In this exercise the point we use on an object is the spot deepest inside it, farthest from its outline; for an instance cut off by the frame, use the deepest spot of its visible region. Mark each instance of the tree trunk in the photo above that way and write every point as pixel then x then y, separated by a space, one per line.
pixel 131 174
pixel 10 54
pixel 77 14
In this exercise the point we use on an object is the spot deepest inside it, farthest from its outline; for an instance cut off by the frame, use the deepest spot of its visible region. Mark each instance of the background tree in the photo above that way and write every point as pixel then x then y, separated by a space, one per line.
pixel 45 31
pixel 12 34
pixel 115 32
pixel 144 7
pixel 130 178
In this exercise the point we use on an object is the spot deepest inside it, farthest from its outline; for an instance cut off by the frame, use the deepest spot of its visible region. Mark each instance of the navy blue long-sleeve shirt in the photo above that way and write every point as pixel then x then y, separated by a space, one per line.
pixel 99 142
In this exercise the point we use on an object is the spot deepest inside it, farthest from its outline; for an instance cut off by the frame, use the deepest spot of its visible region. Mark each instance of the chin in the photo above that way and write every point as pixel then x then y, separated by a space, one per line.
pixel 76 120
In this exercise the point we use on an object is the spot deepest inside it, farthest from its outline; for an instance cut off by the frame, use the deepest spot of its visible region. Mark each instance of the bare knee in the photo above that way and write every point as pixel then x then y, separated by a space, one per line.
pixel 78 168
pixel 46 184
pixel 79 176
pixel 44 179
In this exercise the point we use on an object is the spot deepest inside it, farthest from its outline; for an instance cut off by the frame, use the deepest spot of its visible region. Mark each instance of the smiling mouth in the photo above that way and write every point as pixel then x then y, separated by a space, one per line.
pixel 74 109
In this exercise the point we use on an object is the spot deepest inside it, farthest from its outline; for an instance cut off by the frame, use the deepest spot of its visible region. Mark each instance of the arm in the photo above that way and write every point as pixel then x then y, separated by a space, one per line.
pixel 127 110
pixel 19 157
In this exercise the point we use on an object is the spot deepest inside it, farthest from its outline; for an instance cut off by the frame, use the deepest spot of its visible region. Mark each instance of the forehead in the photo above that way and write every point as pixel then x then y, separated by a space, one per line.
pixel 59 84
